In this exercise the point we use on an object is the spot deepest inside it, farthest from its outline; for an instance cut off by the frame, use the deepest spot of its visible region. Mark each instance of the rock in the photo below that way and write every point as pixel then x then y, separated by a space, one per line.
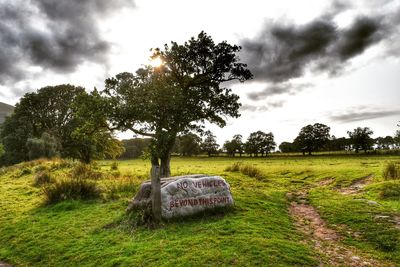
pixel 355 258
pixel 185 195
pixel 370 202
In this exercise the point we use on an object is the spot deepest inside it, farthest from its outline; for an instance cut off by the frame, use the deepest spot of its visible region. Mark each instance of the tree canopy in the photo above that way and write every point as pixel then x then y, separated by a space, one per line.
pixel 312 137
pixel 180 95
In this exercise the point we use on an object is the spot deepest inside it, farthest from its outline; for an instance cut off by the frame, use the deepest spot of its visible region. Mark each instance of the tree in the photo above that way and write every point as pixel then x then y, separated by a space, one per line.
pixel 189 144
pixel 312 137
pixel 135 147
pixel 180 95
pixel 234 146
pixel 71 118
pixel 260 142
pixel 287 147
pixel 396 139
pixel 360 138
pixel 209 144
pixel 44 147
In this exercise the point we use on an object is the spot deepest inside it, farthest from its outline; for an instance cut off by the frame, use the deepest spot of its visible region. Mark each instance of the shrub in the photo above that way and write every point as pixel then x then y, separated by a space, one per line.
pixel 41 178
pixel 40 168
pixel 85 171
pixel 391 171
pixel 71 189
pixel 390 191
pixel 114 166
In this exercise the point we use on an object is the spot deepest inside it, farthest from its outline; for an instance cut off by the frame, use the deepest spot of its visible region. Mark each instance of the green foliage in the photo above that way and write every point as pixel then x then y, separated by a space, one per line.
pixel 46 146
pixel 312 137
pixel 188 144
pixel 360 138
pixel 135 148
pixel 24 171
pixel 71 189
pixel 390 190
pixel 260 143
pixel 209 144
pixel 178 96
pixel 121 187
pixel 391 171
pixel 42 178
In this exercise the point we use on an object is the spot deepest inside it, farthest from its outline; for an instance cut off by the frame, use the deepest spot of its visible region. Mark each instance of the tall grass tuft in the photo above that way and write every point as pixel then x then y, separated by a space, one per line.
pixel 85 171
pixel 246 169
pixel 42 178
pixel 390 190
pixel 71 189
pixel 391 171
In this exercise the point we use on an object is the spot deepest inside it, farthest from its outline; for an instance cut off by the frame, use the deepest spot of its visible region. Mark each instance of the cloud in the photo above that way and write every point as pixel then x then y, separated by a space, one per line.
pixel 361 113
pixel 261 108
pixel 54 35
pixel 283 50
pixel 277 89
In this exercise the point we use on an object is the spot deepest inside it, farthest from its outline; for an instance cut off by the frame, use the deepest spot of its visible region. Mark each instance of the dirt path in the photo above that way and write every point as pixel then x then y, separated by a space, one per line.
pixel 3 264
pixel 356 186
pixel 324 239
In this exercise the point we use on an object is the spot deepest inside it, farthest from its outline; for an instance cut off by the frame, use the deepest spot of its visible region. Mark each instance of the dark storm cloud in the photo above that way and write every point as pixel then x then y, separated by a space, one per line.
pixel 362 114
pixel 261 108
pixel 284 50
pixel 55 35
pixel 277 89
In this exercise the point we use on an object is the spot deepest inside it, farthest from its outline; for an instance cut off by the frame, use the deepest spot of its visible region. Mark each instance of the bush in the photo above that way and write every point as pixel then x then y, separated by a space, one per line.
pixel 390 190
pixel 71 189
pixel 41 178
pixel 40 168
pixel 391 171
pixel 85 171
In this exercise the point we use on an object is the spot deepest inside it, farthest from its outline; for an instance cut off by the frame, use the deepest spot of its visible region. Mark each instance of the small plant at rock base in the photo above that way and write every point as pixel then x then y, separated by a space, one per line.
pixel 391 171
pixel 42 178
pixel 71 189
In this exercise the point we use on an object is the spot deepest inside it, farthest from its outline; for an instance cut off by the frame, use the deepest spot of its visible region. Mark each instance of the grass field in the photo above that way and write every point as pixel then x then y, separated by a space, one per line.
pixel 259 231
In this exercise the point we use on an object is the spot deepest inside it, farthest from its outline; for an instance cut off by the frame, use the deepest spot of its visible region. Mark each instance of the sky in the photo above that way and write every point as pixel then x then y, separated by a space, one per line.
pixel 331 62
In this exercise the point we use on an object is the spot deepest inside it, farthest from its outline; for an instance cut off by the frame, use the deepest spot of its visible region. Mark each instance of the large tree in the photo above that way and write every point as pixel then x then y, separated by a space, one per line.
pixel 181 94
pixel 312 137
pixel 63 117
pixel 360 138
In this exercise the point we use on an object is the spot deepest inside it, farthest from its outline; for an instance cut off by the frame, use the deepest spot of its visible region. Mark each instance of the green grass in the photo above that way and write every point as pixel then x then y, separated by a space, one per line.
pixel 258 231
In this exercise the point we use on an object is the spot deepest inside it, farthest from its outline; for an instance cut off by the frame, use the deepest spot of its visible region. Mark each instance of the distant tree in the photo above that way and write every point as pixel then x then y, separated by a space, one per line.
pixel 287 147
pixel 386 142
pixel 312 137
pixel 209 144
pixel 234 146
pixel 396 139
pixel 260 143
pixel 337 144
pixel 360 138
pixel 189 144
pixel 135 147
pixel 238 144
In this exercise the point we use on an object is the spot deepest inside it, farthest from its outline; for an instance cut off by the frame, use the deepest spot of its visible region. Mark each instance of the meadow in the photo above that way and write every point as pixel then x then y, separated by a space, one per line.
pixel 349 193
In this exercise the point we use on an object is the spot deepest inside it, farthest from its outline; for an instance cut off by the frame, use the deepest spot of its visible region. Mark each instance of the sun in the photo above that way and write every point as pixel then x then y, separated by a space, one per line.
pixel 156 62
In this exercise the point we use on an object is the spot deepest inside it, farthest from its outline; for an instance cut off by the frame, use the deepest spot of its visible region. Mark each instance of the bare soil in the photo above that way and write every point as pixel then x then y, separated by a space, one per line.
pixel 324 239
pixel 356 186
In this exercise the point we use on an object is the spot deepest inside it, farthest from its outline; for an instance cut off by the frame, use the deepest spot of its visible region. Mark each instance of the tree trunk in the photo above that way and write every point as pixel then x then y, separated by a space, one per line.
pixel 165 169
